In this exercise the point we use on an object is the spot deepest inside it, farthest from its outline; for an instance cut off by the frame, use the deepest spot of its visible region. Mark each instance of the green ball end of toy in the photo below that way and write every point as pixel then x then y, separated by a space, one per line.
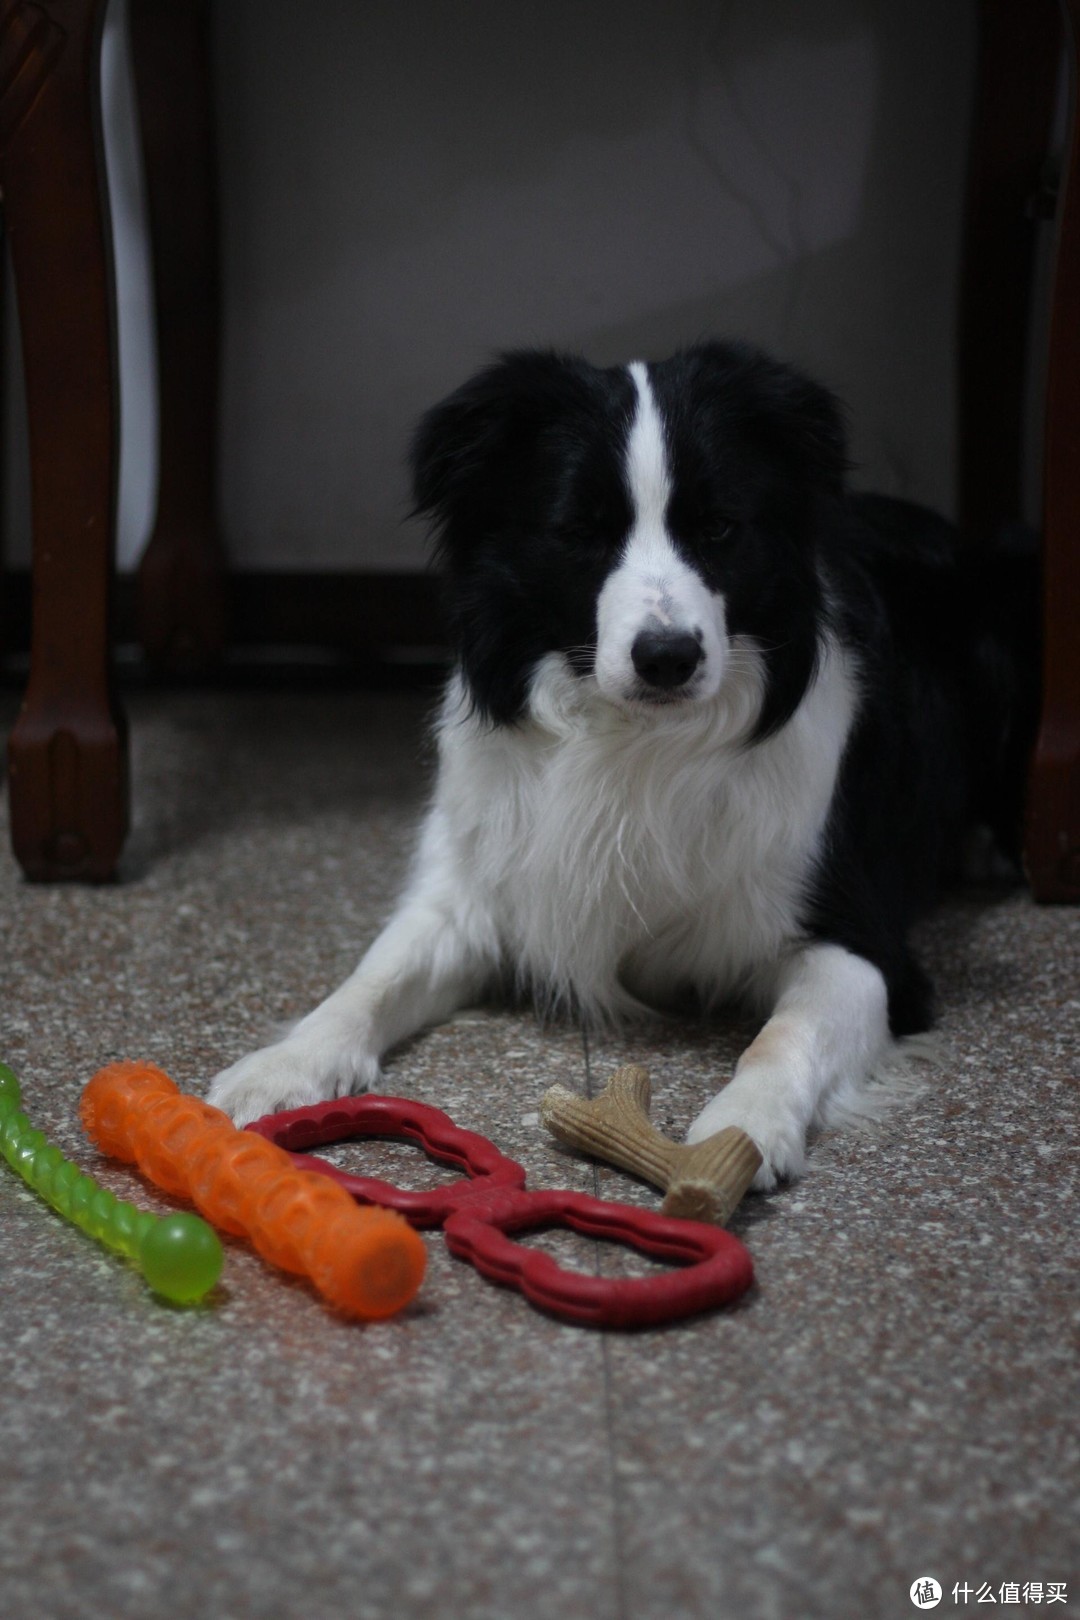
pixel 181 1258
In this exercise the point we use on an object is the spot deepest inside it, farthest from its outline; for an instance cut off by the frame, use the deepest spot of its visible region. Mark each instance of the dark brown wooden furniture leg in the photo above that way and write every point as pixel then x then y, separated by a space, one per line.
pixel 182 575
pixel 1016 87
pixel 67 753
pixel 1053 827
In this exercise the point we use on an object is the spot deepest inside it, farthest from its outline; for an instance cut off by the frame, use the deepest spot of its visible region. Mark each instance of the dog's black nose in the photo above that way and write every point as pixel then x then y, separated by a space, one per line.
pixel 666 658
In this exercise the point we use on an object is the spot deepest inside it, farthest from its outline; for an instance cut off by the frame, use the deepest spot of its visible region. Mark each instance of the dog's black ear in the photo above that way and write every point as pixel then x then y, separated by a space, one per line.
pixel 476 461
pixel 794 422
pixel 464 447
pixel 798 423
pixel 456 441
pixel 812 421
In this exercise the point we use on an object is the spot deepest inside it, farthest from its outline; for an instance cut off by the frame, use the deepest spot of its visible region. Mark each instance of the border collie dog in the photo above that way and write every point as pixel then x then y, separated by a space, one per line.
pixel 714 731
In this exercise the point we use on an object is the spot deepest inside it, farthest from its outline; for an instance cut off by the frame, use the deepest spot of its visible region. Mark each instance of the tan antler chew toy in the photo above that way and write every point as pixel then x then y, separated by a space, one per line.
pixel 704 1182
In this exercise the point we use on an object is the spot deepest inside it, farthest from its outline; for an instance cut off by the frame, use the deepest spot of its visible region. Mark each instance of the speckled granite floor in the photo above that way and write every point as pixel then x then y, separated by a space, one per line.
pixel 898 1397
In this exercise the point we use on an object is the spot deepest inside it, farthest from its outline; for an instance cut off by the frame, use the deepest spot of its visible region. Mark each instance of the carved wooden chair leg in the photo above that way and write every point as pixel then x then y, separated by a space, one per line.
pixel 181 586
pixel 67 752
pixel 1052 849
pixel 1015 94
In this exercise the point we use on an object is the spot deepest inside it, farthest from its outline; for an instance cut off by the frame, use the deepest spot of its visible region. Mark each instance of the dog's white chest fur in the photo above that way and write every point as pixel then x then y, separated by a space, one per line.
pixel 625 858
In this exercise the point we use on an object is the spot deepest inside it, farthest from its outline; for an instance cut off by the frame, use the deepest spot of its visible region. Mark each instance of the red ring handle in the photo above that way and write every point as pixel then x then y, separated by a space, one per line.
pixel 371 1115
pixel 713 1266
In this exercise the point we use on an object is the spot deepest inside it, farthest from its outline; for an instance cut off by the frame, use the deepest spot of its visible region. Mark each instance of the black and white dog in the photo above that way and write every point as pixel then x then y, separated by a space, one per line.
pixel 715 730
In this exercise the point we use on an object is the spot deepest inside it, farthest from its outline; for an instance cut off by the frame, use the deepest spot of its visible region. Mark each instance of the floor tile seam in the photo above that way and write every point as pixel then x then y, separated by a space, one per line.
pixel 618 1514
pixel 594 1168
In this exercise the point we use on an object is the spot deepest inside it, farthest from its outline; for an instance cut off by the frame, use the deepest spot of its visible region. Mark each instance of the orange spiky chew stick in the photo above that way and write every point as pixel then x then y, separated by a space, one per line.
pixel 367 1262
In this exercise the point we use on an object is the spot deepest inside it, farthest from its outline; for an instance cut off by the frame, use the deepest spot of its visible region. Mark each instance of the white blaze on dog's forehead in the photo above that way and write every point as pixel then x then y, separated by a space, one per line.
pixel 649 563
pixel 647 473
pixel 652 584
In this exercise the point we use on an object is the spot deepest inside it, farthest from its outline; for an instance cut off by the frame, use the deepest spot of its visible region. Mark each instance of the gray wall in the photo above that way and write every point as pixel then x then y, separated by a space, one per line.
pixel 407 187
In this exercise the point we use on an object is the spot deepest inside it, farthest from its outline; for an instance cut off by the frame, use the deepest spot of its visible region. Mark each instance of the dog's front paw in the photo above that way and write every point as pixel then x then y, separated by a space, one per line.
pixel 777 1135
pixel 287 1075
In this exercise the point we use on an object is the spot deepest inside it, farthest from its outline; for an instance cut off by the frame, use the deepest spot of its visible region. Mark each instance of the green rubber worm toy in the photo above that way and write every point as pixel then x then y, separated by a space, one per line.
pixel 179 1255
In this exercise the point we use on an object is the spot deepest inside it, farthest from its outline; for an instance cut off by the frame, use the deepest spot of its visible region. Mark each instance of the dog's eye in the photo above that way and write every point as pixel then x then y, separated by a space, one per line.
pixel 705 528
pixel 577 534
pixel 591 533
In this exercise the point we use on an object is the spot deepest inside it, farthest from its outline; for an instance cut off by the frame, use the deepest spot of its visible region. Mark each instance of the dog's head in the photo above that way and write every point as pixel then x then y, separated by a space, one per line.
pixel 647 523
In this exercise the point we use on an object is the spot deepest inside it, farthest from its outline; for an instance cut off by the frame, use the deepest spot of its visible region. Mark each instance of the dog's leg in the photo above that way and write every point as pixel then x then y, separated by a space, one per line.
pixel 829 1026
pixel 436 954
